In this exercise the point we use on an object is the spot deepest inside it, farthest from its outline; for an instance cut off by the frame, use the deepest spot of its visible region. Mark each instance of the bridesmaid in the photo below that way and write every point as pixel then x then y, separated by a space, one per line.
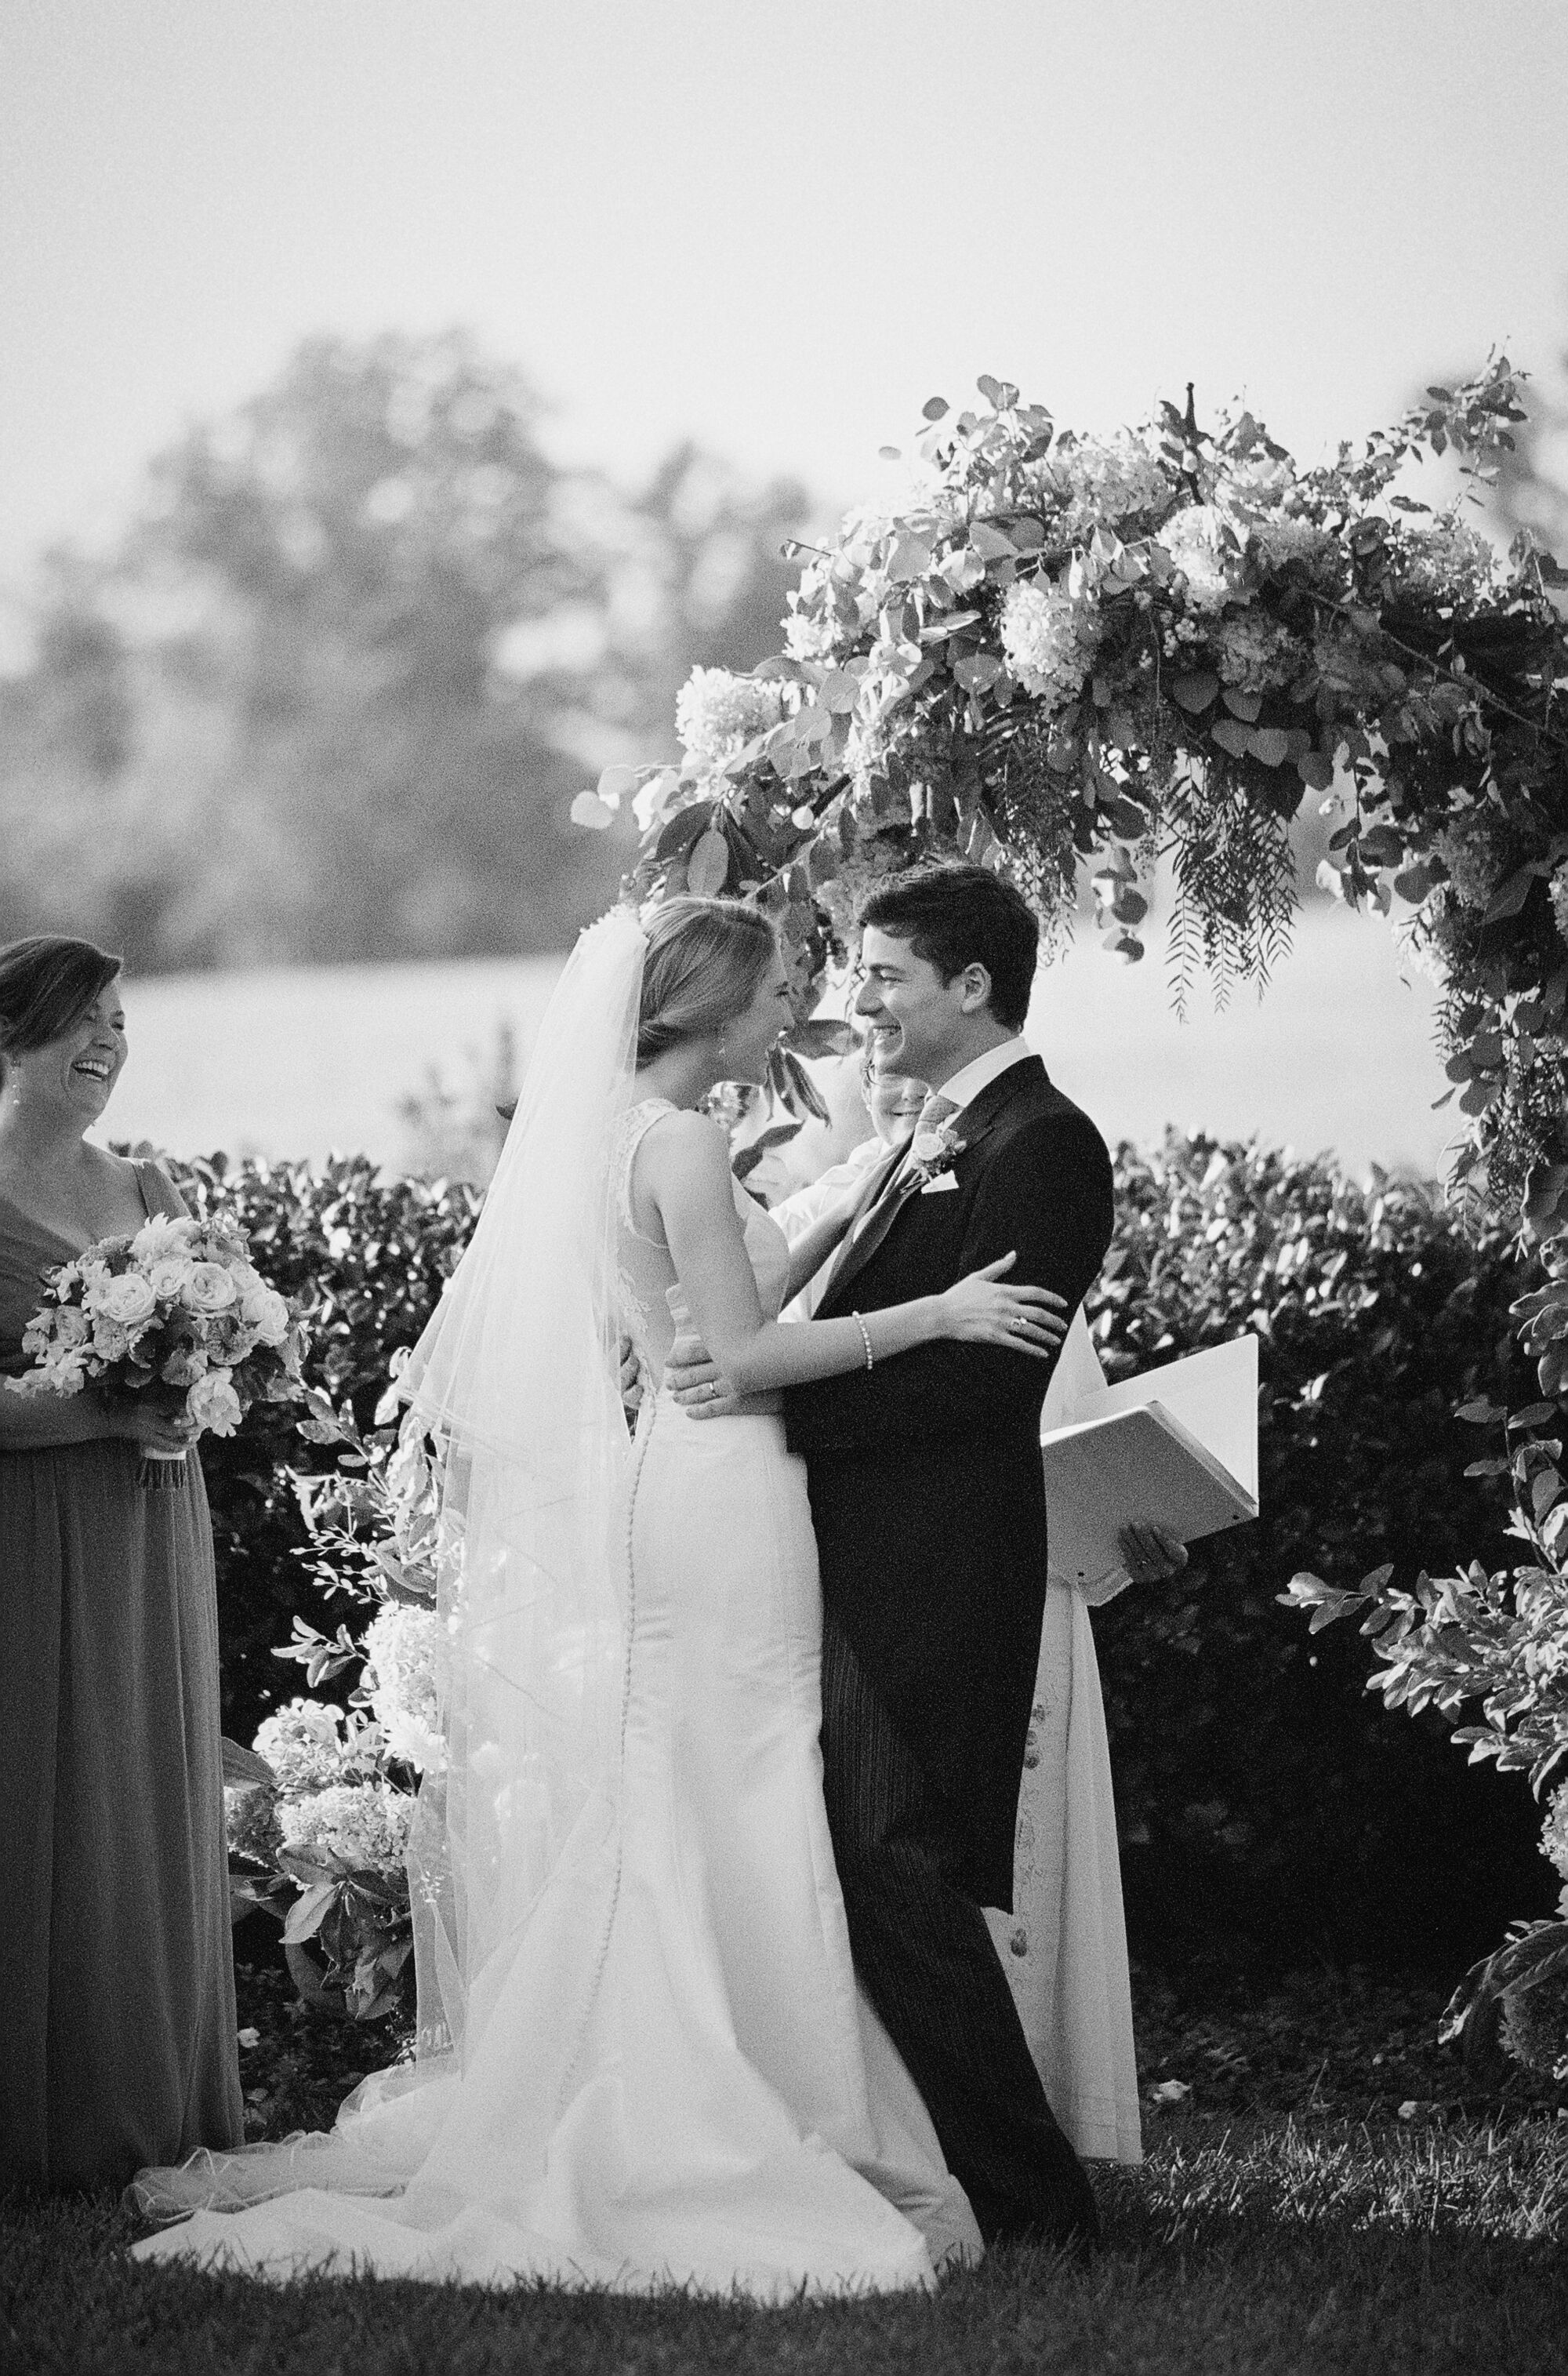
pixel 115 1966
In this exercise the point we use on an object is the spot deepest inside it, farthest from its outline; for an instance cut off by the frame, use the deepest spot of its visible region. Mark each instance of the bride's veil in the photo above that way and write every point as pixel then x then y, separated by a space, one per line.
pixel 516 1380
pixel 517 1377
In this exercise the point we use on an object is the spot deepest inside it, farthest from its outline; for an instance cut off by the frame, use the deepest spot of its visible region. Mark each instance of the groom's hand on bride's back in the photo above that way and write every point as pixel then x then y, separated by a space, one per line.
pixel 700 1386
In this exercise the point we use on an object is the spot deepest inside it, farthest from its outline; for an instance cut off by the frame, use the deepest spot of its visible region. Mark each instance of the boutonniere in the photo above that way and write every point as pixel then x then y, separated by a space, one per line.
pixel 932 1151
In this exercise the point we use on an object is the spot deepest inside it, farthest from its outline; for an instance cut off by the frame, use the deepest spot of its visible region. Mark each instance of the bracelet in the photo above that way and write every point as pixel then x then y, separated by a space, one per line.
pixel 865 1339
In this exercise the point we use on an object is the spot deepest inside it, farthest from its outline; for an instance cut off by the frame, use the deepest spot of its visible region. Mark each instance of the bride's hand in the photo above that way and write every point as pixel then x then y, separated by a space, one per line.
pixel 982 1309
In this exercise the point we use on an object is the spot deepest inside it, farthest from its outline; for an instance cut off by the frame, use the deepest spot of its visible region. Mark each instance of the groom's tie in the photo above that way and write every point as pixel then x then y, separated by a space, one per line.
pixel 876 1217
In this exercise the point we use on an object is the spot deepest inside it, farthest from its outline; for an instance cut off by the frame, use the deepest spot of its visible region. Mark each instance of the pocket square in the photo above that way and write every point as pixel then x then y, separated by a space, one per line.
pixel 939 1186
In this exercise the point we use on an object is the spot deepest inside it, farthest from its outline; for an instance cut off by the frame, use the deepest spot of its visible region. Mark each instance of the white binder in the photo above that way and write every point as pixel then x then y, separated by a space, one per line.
pixel 1177 1447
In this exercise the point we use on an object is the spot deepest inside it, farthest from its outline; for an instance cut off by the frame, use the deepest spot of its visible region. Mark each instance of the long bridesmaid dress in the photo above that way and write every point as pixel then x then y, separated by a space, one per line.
pixel 116 1972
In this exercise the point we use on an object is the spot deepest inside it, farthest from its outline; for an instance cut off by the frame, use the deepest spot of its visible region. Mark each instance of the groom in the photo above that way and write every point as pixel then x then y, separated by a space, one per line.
pixel 928 1505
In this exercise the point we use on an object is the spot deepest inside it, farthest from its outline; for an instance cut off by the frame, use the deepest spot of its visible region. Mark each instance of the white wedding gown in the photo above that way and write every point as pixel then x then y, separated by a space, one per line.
pixel 676 2078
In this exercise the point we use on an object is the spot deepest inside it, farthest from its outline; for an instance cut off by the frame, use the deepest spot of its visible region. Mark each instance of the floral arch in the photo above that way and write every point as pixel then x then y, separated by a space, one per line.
pixel 1068 653
pixel 1073 653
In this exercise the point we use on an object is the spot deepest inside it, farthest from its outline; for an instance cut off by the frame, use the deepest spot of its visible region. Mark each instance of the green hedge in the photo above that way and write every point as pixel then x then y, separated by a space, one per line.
pixel 1269 1807
pixel 368 1254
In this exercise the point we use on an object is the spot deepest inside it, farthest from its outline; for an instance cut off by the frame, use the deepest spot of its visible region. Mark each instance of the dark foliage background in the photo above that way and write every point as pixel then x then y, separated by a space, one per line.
pixel 1271 1810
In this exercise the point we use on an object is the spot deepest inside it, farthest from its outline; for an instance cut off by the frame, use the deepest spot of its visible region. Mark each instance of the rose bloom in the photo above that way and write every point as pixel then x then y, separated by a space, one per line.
pixel 71 1326
pixel 263 1309
pixel 165 1234
pixel 110 1342
pixel 167 1276
pixel 214 1405
pixel 208 1287
pixel 127 1299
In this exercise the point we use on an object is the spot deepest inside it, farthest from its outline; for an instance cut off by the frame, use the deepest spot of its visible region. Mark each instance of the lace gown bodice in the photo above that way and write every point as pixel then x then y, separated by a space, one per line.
pixel 644 1270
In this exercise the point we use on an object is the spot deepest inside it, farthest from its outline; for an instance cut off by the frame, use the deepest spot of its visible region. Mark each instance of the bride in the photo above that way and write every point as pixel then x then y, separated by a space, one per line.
pixel 643 2057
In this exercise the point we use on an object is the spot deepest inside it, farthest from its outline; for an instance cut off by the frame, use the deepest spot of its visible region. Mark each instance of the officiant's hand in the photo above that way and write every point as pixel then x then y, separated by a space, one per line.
pixel 1152 1554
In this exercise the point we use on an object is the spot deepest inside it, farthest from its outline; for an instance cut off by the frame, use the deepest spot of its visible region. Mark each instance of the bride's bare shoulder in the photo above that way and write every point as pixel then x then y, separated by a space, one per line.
pixel 683 1145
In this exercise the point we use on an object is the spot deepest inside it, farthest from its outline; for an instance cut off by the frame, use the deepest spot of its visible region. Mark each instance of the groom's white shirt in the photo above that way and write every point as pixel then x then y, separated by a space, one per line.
pixel 964 1085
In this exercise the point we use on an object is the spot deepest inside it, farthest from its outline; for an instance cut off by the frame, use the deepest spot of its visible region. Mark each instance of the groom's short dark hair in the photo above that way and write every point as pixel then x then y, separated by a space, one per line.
pixel 958 916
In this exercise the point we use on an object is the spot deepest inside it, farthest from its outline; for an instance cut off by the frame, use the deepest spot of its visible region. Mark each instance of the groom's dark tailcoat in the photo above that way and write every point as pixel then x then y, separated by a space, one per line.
pixel 929 1506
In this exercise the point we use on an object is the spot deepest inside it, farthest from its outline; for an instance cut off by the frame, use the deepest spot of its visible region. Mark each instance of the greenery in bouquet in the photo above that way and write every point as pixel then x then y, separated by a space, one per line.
pixel 319 1825
pixel 177 1313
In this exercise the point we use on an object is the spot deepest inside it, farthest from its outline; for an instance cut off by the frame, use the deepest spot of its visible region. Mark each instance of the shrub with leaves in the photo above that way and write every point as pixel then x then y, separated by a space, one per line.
pixel 1263 1800
pixel 1491 1646
pixel 366 1254
pixel 320 1815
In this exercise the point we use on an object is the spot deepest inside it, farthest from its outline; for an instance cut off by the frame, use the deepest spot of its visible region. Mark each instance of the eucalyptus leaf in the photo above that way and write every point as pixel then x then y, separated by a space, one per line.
pixel 707 869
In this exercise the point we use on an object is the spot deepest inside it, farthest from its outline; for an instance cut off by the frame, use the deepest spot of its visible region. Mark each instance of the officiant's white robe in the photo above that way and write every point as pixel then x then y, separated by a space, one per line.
pixel 1065 1945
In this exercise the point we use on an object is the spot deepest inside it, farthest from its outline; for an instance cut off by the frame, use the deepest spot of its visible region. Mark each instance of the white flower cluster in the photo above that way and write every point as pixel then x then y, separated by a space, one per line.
pixel 1101 481
pixel 1284 536
pixel 304 1745
pixel 401 1650
pixel 1255 652
pixel 363 1825
pixel 1447 560
pixel 1554 1838
pixel 718 713
pixel 1560 897
pixel 1475 865
pixel 1194 537
pixel 1050 638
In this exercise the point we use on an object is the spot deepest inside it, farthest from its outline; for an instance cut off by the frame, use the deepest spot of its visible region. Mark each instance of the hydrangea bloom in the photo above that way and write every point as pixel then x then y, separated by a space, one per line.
pixel 250 1820
pixel 1050 638
pixel 716 713
pixel 362 1825
pixel 1194 539
pixel 1475 865
pixel 1554 1832
pixel 1255 652
pixel 1446 559
pixel 401 1648
pixel 812 633
pixel 304 1745
pixel 1560 915
pixel 1099 482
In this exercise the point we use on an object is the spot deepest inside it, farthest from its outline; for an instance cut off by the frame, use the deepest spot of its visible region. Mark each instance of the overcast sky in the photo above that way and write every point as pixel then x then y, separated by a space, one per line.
pixel 781 224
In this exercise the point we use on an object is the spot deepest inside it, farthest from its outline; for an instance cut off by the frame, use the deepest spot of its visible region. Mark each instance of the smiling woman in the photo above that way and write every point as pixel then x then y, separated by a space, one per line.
pixel 115 1968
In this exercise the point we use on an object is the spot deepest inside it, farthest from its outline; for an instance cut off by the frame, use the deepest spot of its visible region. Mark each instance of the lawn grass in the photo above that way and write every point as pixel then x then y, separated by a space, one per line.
pixel 1281 2247
pixel 1287 2222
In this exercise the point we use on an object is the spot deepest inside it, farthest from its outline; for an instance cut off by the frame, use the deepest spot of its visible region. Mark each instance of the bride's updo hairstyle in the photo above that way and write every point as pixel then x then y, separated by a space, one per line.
pixel 47 983
pixel 706 959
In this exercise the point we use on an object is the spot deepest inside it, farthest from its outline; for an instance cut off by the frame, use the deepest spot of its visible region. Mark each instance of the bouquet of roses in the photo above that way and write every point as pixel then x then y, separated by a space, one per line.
pixel 178 1314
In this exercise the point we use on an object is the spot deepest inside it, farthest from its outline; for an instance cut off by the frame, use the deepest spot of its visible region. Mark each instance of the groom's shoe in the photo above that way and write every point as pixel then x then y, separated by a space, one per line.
pixel 1070 2224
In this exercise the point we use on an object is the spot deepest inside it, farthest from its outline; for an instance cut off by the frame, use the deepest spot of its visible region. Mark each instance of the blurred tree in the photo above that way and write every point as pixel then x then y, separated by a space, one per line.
pixel 345 555
pixel 333 695
pixel 699 580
